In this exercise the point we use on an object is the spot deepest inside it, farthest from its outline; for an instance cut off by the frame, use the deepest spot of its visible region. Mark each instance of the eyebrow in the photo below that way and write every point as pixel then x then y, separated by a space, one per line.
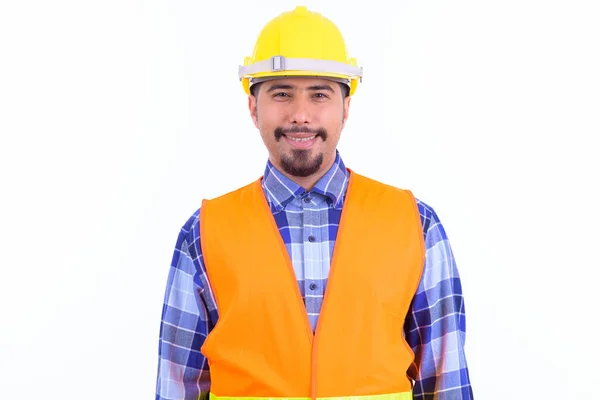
pixel 279 86
pixel 321 87
pixel 289 87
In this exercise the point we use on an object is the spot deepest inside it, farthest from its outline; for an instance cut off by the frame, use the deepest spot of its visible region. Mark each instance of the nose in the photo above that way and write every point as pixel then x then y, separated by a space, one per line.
pixel 300 111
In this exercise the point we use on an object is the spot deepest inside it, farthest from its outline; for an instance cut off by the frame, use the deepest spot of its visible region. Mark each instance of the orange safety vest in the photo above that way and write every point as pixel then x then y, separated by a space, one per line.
pixel 263 346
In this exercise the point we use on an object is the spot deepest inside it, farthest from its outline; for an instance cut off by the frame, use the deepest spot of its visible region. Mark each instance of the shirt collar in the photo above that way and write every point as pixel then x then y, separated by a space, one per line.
pixel 280 190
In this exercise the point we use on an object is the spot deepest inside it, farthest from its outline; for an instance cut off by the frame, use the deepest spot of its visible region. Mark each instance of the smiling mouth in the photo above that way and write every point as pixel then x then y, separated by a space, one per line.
pixel 302 142
pixel 301 139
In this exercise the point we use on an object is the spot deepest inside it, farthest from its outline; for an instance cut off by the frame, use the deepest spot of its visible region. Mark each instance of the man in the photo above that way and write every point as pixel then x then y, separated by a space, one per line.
pixel 313 281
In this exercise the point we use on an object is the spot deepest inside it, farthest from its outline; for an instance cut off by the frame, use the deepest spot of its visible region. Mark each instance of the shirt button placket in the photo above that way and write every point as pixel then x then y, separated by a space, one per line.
pixel 309 250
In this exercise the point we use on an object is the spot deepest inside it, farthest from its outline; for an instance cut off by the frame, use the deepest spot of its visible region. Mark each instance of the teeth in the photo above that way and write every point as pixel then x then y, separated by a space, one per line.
pixel 302 139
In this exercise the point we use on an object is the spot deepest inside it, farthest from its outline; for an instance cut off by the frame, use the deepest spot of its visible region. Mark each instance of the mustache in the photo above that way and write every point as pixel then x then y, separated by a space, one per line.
pixel 279 131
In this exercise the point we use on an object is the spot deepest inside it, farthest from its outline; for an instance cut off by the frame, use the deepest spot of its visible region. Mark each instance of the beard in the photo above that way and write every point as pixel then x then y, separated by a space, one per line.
pixel 300 163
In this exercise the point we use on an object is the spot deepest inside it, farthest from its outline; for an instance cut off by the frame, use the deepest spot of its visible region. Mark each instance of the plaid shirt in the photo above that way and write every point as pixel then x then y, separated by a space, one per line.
pixel 435 323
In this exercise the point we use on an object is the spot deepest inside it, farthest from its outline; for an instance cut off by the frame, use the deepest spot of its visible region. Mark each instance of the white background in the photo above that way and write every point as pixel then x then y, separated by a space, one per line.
pixel 118 117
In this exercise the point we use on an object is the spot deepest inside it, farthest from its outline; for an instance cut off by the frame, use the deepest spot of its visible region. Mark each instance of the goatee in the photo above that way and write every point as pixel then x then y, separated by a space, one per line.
pixel 300 163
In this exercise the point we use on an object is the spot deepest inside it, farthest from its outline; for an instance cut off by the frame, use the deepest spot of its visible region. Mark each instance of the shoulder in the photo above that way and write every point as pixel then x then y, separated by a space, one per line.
pixel 234 195
pixel 374 187
pixel 189 235
pixel 429 218
pixel 188 240
pixel 434 231
pixel 187 229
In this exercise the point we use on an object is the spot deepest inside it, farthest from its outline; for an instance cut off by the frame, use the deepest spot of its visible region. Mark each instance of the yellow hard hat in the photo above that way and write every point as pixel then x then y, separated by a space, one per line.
pixel 300 43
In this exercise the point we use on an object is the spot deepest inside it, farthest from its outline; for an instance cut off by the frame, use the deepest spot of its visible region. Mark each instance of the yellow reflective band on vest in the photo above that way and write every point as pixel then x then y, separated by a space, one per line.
pixel 390 396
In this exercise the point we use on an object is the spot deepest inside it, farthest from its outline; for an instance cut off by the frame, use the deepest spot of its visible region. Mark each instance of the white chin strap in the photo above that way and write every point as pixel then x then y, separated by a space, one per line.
pixel 280 63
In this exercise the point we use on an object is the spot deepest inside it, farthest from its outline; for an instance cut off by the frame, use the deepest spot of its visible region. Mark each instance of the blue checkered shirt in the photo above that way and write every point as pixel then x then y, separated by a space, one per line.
pixel 434 326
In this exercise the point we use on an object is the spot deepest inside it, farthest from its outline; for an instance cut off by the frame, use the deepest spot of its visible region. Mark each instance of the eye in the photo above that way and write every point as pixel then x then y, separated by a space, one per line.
pixel 281 94
pixel 321 96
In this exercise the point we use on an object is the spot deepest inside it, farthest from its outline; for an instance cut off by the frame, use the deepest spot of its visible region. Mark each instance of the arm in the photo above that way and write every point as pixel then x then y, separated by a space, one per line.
pixel 435 324
pixel 187 318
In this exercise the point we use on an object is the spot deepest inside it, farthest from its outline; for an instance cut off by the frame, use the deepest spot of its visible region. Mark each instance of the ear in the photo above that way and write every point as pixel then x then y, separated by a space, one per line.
pixel 252 107
pixel 346 110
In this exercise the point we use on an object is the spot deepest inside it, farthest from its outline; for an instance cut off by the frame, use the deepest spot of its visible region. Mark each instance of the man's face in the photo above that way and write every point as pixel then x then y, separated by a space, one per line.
pixel 300 121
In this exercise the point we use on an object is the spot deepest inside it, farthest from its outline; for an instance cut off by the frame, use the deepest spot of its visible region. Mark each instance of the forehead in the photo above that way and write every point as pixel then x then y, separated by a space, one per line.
pixel 302 83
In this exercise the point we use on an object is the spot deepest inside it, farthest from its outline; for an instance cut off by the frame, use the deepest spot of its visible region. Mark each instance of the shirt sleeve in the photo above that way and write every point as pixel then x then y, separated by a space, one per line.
pixel 435 326
pixel 186 320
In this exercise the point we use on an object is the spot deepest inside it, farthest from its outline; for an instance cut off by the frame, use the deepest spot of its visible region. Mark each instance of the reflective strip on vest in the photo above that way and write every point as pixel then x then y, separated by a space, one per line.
pixel 391 396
